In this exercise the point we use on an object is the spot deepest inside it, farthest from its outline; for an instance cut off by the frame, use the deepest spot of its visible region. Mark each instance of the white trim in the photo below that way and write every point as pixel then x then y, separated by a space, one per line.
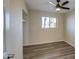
pixel 41 43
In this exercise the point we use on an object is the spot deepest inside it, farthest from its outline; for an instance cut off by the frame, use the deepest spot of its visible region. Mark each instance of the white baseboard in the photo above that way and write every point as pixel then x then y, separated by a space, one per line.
pixel 41 43
pixel 70 44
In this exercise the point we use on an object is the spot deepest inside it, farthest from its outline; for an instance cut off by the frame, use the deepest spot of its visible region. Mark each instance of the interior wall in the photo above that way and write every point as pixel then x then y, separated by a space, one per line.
pixel 26 31
pixel 14 27
pixel 37 35
pixel 70 28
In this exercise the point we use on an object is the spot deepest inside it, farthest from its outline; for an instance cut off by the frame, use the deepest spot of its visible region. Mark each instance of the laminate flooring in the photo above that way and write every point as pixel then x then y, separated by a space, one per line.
pixel 56 50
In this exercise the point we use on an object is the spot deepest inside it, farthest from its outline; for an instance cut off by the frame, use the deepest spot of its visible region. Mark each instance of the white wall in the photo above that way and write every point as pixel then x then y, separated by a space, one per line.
pixel 26 31
pixel 37 35
pixel 70 28
pixel 65 30
pixel 14 31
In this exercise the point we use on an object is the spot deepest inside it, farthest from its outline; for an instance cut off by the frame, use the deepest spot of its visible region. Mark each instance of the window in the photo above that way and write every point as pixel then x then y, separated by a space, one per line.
pixel 48 22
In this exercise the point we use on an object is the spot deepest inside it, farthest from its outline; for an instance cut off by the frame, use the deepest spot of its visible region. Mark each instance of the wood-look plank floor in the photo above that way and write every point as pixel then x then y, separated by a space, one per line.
pixel 57 50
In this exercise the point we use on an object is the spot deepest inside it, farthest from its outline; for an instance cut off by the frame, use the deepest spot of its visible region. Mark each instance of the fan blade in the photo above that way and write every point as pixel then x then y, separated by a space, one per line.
pixel 65 8
pixel 52 3
pixel 64 3
pixel 58 1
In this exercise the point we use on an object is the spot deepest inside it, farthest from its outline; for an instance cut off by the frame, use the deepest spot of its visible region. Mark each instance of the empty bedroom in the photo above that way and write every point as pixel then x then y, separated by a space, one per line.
pixel 49 33
pixel 39 29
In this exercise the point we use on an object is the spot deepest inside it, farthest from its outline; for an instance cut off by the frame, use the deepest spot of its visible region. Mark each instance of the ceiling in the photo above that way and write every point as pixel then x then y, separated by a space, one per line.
pixel 43 5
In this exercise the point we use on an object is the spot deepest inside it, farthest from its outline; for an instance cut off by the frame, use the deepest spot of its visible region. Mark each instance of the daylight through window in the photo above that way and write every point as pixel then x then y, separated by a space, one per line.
pixel 48 22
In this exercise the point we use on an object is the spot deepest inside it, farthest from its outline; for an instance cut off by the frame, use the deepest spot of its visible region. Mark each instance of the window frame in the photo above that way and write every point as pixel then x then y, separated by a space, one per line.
pixel 44 25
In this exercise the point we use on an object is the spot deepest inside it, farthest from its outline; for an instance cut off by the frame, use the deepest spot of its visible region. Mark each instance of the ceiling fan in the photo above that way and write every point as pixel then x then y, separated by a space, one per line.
pixel 59 6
